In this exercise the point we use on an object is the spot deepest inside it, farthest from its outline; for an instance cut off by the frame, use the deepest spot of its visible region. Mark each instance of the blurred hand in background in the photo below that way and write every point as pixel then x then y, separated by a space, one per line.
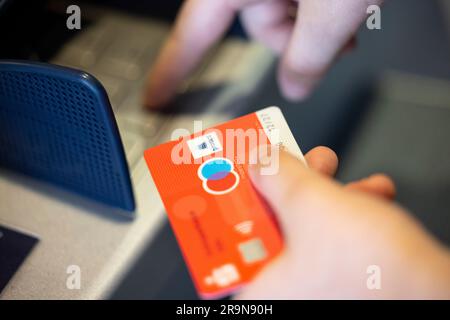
pixel 308 35
pixel 334 232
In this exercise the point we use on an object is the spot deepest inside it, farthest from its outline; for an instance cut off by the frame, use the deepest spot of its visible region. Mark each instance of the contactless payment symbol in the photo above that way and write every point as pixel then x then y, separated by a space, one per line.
pixel 218 176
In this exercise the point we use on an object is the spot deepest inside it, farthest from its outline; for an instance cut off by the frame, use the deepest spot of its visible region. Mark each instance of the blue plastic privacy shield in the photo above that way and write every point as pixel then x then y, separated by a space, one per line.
pixel 56 124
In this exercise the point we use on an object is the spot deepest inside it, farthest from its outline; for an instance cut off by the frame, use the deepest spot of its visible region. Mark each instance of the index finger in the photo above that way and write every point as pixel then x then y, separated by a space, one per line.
pixel 322 29
pixel 200 24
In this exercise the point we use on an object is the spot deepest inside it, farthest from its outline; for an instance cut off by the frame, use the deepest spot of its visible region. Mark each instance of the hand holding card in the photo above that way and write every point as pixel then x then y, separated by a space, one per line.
pixel 225 230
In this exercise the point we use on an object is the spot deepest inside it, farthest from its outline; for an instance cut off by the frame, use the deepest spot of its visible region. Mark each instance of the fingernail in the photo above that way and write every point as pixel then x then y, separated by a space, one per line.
pixel 295 86
pixel 153 101
pixel 263 160
pixel 294 92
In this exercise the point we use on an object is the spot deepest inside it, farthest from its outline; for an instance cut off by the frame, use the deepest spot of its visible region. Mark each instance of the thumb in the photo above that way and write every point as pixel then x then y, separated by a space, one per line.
pixel 292 191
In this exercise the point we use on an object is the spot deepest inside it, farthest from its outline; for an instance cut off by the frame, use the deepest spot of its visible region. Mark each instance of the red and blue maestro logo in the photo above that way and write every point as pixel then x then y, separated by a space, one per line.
pixel 218 176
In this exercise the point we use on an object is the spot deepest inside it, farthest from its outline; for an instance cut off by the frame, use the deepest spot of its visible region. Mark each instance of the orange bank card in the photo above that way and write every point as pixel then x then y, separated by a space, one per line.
pixel 225 230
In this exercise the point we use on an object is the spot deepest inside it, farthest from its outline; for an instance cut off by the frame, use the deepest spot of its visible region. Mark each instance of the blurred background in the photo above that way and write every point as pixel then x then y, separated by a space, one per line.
pixel 385 107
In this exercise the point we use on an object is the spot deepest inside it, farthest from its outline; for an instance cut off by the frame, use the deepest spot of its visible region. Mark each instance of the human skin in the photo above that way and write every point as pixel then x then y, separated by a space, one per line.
pixel 308 35
pixel 334 232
